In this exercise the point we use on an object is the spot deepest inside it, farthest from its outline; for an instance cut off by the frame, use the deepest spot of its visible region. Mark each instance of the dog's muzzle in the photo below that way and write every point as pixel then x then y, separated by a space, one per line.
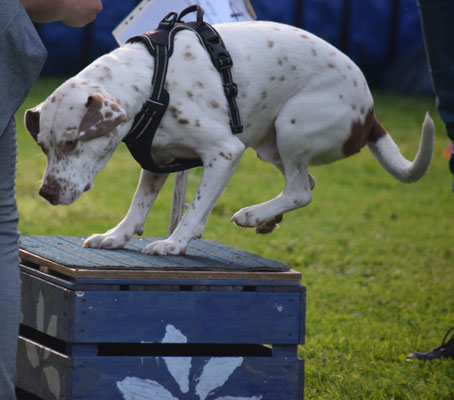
pixel 50 190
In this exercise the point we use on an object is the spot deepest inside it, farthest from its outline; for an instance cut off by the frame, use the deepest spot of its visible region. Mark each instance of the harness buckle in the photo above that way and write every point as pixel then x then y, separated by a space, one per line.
pixel 224 62
pixel 231 89
pixel 236 129
pixel 219 54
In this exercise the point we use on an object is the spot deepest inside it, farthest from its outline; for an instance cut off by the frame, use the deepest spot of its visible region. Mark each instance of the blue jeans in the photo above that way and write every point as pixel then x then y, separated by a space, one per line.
pixel 22 56
pixel 9 263
pixel 437 18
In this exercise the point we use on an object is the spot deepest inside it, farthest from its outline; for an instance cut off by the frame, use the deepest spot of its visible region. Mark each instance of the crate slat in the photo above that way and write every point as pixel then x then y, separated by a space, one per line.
pixel 229 317
pixel 203 316
pixel 43 371
pixel 48 308
pixel 194 377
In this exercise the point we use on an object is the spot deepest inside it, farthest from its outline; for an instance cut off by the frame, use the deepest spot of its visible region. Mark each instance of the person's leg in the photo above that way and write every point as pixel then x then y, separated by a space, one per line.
pixel 9 264
pixel 438 30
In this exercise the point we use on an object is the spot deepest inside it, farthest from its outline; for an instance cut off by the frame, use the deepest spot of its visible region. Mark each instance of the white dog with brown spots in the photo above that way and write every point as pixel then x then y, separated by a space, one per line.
pixel 302 103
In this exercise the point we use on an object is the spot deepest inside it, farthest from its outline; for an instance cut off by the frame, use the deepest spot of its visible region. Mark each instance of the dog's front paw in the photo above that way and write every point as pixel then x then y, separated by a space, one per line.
pixel 106 241
pixel 165 247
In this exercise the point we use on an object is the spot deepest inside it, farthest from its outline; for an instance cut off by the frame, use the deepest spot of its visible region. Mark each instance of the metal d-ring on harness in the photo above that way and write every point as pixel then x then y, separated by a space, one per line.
pixel 160 44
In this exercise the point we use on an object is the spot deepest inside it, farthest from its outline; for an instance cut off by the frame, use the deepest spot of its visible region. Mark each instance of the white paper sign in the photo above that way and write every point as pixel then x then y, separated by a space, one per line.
pixel 147 15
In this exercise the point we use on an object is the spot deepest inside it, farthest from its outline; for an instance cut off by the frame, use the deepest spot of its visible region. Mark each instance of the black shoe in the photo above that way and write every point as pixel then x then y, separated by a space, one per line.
pixel 446 350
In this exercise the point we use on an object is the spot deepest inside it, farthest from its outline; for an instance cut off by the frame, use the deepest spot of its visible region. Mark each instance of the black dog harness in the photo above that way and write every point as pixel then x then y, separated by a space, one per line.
pixel 160 44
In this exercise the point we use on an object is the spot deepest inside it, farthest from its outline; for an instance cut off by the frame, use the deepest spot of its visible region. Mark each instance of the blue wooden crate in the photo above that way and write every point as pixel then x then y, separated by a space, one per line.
pixel 217 324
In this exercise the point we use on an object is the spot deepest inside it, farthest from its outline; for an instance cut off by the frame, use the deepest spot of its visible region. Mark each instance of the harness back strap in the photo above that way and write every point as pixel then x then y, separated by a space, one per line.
pixel 160 45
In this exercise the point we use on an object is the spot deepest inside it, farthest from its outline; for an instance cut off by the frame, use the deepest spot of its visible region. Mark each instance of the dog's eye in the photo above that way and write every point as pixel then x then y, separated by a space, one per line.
pixel 70 145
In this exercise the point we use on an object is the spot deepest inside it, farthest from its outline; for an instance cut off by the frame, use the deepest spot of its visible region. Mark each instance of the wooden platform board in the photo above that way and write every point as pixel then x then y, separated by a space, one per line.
pixel 205 259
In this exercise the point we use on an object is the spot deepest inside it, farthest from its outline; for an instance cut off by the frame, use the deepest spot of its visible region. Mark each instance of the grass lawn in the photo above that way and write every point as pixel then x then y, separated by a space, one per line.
pixel 376 255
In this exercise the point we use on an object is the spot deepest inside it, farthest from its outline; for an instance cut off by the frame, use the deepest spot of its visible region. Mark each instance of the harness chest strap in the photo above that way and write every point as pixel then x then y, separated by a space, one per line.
pixel 160 45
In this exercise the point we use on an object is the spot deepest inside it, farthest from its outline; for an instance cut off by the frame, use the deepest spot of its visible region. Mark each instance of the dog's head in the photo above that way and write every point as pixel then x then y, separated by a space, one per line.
pixel 76 128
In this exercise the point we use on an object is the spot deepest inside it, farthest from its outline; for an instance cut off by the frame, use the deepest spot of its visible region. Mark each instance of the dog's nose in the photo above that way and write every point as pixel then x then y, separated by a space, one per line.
pixel 50 190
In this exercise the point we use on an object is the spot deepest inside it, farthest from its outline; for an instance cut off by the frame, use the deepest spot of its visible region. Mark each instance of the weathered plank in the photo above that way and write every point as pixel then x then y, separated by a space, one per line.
pixel 118 274
pixel 205 260
pixel 77 280
pixel 223 316
pixel 193 378
pixel 203 316
pixel 68 251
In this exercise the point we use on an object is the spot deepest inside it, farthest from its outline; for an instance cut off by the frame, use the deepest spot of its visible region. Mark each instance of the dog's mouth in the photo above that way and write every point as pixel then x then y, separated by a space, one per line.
pixel 57 194
pixel 53 202
pixel 56 200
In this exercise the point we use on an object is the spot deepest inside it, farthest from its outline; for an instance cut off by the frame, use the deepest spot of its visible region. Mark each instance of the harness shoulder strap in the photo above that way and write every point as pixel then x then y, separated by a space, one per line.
pixel 223 63
pixel 220 57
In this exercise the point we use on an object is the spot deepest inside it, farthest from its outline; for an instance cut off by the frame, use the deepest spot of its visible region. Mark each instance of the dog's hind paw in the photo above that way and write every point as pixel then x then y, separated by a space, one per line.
pixel 255 216
pixel 164 248
pixel 269 226
pixel 245 218
pixel 105 241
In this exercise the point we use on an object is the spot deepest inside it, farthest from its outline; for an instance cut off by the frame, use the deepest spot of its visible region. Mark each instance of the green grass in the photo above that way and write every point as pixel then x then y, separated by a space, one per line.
pixel 376 255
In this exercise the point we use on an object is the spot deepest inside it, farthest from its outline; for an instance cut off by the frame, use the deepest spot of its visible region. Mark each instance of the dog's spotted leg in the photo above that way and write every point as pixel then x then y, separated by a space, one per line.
pixel 268 152
pixel 296 194
pixel 272 224
pixel 218 167
pixel 149 186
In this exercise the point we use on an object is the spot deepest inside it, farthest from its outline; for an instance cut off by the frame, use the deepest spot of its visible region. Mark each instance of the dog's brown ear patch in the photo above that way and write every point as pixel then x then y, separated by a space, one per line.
pixel 101 117
pixel 31 121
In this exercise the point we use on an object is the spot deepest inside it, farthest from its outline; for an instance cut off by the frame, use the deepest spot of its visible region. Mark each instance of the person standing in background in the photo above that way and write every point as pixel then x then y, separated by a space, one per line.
pixel 22 56
pixel 436 19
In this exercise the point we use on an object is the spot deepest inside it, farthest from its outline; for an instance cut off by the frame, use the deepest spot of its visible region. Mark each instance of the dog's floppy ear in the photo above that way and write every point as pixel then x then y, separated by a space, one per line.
pixel 31 120
pixel 101 117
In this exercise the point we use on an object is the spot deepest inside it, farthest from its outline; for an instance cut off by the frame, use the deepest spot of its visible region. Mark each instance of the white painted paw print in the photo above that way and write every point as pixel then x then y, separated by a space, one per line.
pixel 215 374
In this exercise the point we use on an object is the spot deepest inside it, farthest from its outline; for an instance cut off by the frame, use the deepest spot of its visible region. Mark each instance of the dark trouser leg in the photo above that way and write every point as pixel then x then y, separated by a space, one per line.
pixel 438 28
pixel 9 264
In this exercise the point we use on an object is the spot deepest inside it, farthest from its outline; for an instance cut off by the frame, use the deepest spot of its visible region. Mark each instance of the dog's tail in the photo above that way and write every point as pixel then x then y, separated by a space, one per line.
pixel 388 154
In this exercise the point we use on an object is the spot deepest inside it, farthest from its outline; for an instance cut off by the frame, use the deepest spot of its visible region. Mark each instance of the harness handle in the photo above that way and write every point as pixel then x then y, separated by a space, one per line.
pixel 191 9
pixel 169 20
